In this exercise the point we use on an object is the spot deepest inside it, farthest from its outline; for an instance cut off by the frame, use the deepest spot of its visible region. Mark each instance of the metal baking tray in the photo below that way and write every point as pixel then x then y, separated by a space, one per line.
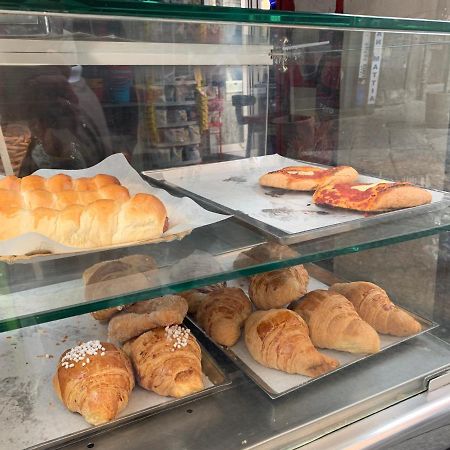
pixel 34 416
pixel 289 217
pixel 276 383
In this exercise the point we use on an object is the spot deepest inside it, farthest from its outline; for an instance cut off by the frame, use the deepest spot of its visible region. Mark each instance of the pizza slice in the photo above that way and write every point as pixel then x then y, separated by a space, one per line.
pixel 383 196
pixel 307 178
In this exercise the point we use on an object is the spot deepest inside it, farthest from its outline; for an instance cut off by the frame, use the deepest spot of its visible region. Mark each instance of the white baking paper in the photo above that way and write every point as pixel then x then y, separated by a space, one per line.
pixel 31 413
pixel 184 214
pixel 234 184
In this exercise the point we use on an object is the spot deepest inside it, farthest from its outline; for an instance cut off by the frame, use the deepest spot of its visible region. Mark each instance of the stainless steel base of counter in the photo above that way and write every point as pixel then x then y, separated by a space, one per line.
pixel 245 417
pixel 422 421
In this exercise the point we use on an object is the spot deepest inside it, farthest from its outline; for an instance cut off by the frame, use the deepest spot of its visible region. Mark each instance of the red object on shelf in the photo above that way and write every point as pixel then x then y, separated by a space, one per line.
pixel 289 5
pixel 286 5
pixel 339 7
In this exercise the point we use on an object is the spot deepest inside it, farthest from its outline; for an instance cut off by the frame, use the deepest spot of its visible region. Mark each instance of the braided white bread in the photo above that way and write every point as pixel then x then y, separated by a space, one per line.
pixel 56 183
pixel 40 198
pixel 59 191
pixel 101 223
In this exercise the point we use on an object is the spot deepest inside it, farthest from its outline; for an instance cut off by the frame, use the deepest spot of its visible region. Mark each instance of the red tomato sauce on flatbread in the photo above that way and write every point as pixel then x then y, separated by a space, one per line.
pixel 342 193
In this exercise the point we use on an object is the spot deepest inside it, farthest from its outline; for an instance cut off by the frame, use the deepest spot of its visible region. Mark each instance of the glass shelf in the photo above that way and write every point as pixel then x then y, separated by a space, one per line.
pixel 35 293
pixel 155 10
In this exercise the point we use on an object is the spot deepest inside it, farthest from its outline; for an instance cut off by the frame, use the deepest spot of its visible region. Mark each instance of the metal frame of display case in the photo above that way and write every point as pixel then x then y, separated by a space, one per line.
pixel 408 378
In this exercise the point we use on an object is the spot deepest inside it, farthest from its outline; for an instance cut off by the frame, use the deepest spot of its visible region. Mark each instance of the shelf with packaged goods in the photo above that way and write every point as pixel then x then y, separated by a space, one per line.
pixel 53 289
pixel 177 124
pixel 175 144
pixel 174 104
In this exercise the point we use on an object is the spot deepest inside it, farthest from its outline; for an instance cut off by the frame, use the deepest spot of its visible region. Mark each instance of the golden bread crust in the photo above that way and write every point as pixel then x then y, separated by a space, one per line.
pixel 101 223
pixel 374 198
pixel 165 369
pixel 98 389
pixel 223 313
pixel 307 178
pixel 334 323
pixel 277 288
pixel 375 307
pixel 279 339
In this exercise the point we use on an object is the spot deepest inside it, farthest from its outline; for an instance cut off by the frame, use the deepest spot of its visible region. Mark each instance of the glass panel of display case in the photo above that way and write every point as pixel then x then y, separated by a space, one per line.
pixel 193 105
pixel 170 94
pixel 347 394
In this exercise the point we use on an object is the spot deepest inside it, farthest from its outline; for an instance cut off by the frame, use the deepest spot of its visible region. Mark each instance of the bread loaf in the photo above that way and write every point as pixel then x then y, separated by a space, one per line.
pixel 40 198
pixel 57 183
pixel 101 223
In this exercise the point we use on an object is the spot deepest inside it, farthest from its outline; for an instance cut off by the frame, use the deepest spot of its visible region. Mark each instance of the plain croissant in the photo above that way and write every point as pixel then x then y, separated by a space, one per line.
pixel 333 323
pixel 101 223
pixel 279 339
pixel 95 385
pixel 223 313
pixel 56 183
pixel 279 287
pixel 269 251
pixel 167 361
pixel 113 278
pixel 195 296
pixel 374 306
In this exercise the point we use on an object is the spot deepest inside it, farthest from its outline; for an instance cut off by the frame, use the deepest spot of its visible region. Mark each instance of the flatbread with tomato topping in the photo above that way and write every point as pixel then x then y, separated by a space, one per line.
pixel 382 196
pixel 307 178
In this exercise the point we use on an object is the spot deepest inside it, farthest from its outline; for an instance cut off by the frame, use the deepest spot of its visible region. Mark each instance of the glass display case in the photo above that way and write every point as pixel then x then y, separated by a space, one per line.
pixel 287 152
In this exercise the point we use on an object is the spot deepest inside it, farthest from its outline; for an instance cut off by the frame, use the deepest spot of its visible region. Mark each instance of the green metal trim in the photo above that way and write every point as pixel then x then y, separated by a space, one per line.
pixel 151 9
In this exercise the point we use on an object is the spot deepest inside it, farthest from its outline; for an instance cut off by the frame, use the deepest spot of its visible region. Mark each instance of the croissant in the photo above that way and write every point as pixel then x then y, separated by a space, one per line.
pixel 223 313
pixel 279 287
pixel 144 316
pixel 101 223
pixel 374 306
pixel 94 379
pixel 195 296
pixel 167 361
pixel 57 183
pixel 333 323
pixel 113 278
pixel 279 339
pixel 269 251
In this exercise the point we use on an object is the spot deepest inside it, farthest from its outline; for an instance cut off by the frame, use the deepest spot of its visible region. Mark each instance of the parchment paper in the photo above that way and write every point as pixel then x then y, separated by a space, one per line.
pixel 277 382
pixel 234 184
pixel 184 214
